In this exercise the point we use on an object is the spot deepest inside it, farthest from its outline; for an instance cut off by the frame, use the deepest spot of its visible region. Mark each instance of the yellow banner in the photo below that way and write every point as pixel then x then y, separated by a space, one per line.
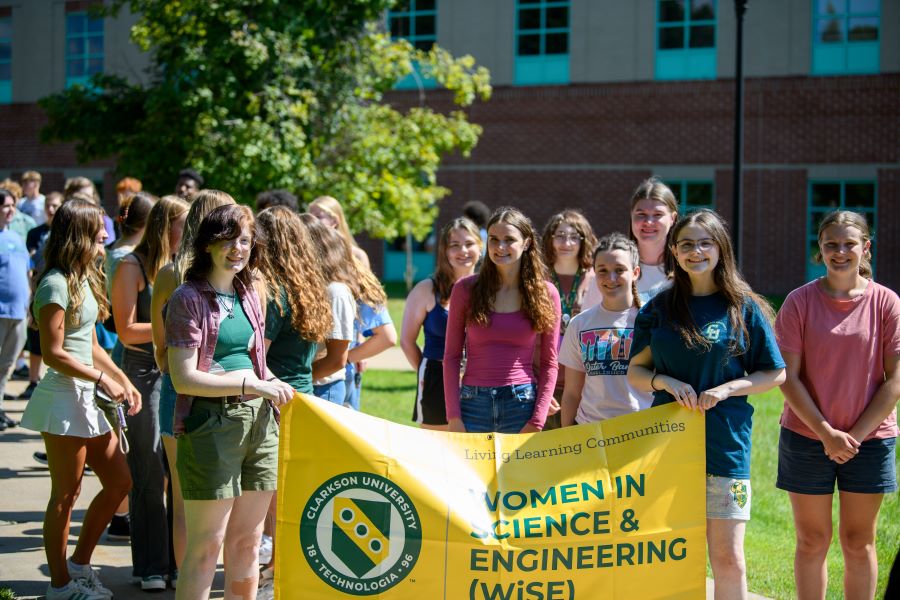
pixel 607 510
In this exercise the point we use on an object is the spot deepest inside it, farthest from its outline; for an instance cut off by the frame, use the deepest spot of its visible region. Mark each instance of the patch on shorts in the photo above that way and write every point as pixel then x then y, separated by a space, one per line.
pixel 739 493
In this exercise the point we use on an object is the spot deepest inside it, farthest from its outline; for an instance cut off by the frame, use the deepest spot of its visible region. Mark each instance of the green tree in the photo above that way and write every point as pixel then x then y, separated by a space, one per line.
pixel 260 94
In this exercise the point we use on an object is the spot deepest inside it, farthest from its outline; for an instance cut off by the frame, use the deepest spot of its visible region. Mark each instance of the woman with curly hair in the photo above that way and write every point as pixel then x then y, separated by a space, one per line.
pixel 501 316
pixel 567 243
pixel 69 298
pixel 169 277
pixel 132 291
pixel 298 314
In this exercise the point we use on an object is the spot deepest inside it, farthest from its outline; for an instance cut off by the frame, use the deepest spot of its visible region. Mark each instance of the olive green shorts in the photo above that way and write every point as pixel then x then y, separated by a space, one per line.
pixel 227 449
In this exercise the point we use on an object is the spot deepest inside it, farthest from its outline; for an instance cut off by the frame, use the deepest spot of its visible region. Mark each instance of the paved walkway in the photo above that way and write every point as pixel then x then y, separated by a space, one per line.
pixel 25 489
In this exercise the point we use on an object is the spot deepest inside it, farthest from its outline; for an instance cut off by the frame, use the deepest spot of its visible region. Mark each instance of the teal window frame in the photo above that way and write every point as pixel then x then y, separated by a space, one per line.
pixel 843 56
pixel 410 14
pixel 818 206
pixel 85 47
pixel 686 62
pixel 545 66
pixel 687 192
pixel 6 33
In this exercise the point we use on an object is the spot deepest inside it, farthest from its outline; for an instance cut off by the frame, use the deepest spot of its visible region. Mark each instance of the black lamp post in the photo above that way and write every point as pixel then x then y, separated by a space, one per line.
pixel 740 7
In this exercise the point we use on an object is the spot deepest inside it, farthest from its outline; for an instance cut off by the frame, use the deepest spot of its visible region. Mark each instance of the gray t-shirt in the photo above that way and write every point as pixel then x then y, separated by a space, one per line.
pixel 79 337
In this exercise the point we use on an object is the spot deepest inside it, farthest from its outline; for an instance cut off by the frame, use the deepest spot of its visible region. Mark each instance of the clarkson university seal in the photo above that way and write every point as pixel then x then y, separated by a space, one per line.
pixel 360 533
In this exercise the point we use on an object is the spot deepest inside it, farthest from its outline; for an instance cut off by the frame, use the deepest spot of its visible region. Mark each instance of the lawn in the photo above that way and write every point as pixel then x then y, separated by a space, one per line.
pixel 770 540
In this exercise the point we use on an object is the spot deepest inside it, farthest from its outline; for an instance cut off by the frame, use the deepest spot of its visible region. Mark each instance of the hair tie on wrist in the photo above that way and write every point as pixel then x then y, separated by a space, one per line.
pixel 99 378
pixel 652 379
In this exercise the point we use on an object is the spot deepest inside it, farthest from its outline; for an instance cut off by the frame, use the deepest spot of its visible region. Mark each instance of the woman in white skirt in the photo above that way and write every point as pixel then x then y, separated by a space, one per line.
pixel 69 299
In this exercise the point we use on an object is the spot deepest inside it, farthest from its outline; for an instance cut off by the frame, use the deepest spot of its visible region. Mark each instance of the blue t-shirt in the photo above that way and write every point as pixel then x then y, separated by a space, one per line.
pixel 14 263
pixel 368 318
pixel 728 423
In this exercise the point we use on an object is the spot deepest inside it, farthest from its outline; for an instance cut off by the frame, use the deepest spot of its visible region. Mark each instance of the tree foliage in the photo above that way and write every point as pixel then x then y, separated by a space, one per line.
pixel 260 94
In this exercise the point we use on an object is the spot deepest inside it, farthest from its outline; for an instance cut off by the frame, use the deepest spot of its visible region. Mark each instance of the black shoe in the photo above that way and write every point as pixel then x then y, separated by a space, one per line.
pixel 26 395
pixel 119 529
pixel 9 397
pixel 4 418
pixel 20 374
pixel 3 426
pixel 40 457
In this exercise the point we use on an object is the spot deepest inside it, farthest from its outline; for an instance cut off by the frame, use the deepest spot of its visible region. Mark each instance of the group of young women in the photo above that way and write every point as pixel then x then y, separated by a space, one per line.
pixel 664 315
pixel 222 315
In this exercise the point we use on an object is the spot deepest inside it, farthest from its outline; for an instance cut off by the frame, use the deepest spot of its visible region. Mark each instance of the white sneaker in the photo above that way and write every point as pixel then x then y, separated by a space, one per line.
pixel 153 582
pixel 74 590
pixel 87 576
pixel 265 550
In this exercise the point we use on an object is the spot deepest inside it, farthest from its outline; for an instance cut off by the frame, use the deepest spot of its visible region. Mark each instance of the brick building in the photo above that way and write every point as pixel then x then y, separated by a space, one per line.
pixel 590 97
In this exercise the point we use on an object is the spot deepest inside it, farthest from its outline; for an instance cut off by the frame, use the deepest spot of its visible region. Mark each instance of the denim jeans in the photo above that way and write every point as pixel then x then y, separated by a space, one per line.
pixel 352 390
pixel 503 409
pixel 334 392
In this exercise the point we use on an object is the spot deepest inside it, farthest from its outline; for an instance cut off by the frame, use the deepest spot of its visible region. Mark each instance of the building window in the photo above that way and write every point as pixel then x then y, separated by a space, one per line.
pixel 5 59
pixel 845 37
pixel 686 39
pixel 416 21
pixel 542 42
pixel 826 196
pixel 84 47
pixel 693 195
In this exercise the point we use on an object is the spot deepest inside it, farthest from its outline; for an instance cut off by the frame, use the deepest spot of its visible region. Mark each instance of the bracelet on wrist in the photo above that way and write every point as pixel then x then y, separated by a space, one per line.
pixel 99 378
pixel 243 383
pixel 652 379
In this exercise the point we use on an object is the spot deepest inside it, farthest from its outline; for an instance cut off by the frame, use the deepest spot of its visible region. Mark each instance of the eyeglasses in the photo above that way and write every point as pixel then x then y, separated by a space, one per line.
pixel 704 245
pixel 244 243
pixel 562 238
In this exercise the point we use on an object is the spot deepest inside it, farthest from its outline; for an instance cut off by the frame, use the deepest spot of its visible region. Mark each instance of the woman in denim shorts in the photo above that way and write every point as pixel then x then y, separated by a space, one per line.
pixel 840 337
pixel 225 414
pixel 499 317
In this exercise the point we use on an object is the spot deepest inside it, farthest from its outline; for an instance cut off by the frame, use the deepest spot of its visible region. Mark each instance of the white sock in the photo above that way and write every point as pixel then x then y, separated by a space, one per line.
pixel 73 566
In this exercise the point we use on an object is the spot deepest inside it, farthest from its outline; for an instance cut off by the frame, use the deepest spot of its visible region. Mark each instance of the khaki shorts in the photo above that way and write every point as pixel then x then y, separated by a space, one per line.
pixel 227 449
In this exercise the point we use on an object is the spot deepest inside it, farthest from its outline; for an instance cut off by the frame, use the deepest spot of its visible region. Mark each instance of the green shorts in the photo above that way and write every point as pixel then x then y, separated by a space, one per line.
pixel 228 448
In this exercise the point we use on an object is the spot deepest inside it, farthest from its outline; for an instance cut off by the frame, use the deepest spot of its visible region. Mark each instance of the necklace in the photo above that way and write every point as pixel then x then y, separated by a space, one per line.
pixel 567 300
pixel 229 310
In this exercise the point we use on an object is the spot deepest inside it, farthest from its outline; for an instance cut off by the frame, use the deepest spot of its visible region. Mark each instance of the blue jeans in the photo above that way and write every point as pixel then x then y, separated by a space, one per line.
pixel 334 392
pixel 503 409
pixel 352 383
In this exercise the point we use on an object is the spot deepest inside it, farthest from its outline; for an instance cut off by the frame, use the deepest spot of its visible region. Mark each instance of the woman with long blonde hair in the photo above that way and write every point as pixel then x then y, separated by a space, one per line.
pixel 329 211
pixel 132 291
pixel 427 307
pixel 69 298
pixel 654 211
pixel 502 316
pixel 169 277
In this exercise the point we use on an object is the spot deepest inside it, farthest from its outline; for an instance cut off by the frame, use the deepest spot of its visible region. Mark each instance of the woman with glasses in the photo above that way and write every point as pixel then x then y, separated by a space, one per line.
pixel 654 210
pixel 707 343
pixel 568 243
pixel 225 413
pixel 502 316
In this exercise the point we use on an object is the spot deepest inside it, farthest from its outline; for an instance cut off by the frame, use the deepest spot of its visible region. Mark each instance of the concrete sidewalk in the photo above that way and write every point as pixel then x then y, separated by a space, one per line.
pixel 26 488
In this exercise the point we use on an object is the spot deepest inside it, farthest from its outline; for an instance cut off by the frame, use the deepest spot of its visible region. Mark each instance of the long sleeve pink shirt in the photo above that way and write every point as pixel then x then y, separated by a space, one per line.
pixel 498 354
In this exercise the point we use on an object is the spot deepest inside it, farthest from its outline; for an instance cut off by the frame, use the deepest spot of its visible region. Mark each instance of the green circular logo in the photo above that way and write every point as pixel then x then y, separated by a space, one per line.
pixel 360 533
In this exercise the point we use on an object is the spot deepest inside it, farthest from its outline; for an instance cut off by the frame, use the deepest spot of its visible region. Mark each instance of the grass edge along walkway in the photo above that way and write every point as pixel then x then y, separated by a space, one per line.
pixel 769 544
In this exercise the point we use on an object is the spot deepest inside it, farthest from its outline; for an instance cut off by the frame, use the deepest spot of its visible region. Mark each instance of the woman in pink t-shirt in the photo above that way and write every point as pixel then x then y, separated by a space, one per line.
pixel 500 316
pixel 840 338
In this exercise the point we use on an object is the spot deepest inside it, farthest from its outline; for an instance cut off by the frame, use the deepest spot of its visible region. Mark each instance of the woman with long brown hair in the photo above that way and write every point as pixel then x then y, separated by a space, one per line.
pixel 132 290
pixel 500 316
pixel 707 343
pixel 226 407
pixel 169 277
pixel 427 306
pixel 69 298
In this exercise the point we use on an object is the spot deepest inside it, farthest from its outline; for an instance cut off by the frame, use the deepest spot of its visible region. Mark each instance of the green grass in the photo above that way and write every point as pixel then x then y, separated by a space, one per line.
pixel 769 545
